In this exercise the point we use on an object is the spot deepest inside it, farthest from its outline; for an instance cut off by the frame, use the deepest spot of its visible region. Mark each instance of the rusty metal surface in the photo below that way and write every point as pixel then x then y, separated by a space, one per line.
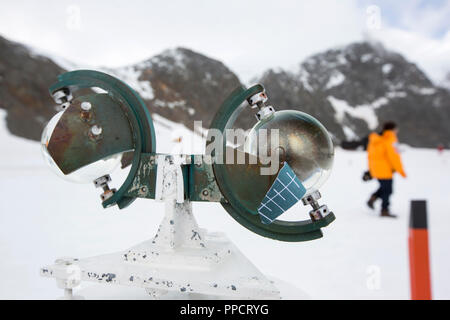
pixel 199 180
pixel 71 145
pixel 144 182
pixel 202 183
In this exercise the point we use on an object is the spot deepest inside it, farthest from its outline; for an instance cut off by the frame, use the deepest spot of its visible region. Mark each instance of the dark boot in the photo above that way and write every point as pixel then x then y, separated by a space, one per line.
pixel 386 213
pixel 372 201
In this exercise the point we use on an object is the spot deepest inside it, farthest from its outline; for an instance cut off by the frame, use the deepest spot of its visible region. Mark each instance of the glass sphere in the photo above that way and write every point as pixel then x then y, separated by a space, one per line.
pixel 304 144
pixel 86 174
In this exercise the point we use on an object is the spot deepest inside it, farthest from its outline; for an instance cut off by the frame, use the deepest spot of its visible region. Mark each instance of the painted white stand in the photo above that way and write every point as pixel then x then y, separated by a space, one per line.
pixel 181 257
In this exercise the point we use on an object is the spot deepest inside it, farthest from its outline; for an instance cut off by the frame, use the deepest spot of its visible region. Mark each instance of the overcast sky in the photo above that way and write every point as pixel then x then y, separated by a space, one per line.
pixel 248 36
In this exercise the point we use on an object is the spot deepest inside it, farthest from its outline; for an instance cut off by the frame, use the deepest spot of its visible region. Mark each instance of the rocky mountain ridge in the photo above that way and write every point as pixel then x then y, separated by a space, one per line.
pixel 351 90
pixel 354 89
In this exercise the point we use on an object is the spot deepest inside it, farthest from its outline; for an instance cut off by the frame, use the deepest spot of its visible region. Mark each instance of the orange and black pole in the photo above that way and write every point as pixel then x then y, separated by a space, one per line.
pixel 419 256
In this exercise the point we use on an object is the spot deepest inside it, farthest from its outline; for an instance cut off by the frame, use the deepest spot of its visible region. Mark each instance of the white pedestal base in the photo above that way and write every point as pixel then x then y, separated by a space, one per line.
pixel 180 258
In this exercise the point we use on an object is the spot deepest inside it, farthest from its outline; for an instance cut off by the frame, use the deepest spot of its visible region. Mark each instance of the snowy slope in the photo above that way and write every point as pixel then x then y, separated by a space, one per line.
pixel 43 217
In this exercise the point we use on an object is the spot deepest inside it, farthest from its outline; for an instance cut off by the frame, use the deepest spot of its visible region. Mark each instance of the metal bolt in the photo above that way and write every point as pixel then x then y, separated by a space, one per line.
pixel 205 192
pixel 96 130
pixel 86 113
pixel 86 106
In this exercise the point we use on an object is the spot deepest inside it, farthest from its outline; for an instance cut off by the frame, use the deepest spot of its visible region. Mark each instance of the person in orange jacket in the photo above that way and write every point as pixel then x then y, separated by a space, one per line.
pixel 384 161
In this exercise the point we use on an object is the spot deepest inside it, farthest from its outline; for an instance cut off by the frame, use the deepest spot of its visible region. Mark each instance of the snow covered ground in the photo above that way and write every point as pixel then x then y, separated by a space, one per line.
pixel 360 257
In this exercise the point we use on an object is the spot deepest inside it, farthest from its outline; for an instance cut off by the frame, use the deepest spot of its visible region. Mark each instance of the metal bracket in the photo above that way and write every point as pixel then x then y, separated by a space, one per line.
pixel 318 212
pixel 102 182
pixel 62 97
pixel 259 100
pixel 265 112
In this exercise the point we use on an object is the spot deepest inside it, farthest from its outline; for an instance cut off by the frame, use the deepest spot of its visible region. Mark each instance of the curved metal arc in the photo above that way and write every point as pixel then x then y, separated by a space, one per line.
pixel 118 89
pixel 140 119
pixel 280 230
pixel 281 235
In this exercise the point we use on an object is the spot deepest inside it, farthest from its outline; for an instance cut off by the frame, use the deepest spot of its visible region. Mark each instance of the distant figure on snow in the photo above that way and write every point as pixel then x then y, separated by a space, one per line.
pixel 384 160
pixel 440 148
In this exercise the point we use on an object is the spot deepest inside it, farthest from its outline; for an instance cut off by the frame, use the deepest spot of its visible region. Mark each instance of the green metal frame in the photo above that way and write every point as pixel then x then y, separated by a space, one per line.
pixel 203 181
pixel 139 116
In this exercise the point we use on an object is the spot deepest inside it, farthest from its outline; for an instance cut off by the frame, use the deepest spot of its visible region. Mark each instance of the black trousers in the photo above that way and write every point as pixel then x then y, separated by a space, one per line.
pixel 384 192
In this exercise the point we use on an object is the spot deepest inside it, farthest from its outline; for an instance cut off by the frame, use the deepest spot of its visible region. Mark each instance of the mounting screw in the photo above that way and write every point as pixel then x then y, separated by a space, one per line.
pixel 86 108
pixel 95 132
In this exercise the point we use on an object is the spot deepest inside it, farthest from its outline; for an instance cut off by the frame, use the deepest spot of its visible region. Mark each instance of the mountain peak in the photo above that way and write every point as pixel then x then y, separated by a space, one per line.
pixel 181 84
pixel 353 89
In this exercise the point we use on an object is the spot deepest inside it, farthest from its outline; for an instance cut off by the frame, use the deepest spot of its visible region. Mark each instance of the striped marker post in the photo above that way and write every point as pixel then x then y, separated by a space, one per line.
pixel 419 257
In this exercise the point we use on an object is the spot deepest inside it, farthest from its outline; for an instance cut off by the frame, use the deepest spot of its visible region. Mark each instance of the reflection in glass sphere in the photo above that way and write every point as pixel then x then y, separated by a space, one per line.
pixel 308 148
pixel 86 174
